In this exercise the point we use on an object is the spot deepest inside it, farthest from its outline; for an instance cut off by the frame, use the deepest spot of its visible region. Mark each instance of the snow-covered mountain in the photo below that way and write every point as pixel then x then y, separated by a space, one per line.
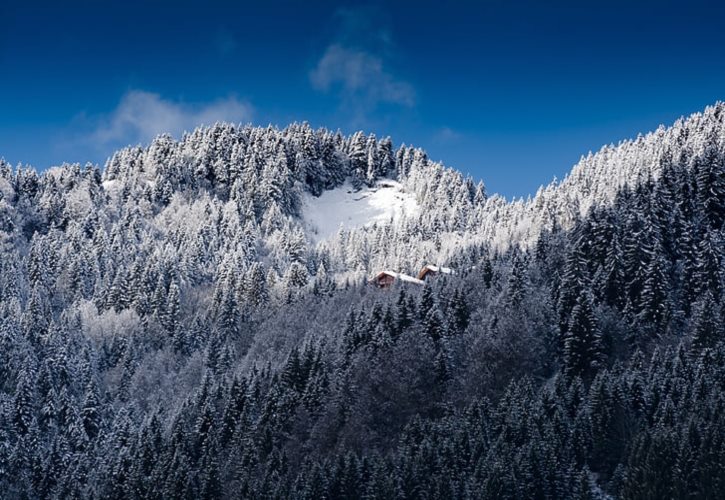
pixel 351 204
pixel 194 321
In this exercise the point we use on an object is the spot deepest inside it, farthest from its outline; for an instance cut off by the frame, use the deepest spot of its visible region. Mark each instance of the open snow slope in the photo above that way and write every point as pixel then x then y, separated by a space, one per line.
pixel 347 208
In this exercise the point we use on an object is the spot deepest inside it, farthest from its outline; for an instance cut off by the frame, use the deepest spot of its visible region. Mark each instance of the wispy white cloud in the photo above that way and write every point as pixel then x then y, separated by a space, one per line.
pixel 141 115
pixel 356 65
pixel 360 74
pixel 446 135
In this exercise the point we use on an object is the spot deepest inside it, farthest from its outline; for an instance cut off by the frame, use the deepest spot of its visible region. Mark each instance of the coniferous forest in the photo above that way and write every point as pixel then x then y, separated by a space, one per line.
pixel 171 328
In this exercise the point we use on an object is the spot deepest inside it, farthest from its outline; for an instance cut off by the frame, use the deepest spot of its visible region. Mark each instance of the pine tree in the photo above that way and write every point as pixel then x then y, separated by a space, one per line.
pixel 228 316
pixel 358 159
pixel 256 291
pixel 459 313
pixel 24 401
pixel 487 272
pixel 90 411
pixel 386 163
pixel 583 352
pixel 710 177
pixel 707 327
pixel 613 279
pixel 636 240
pixel 441 367
pixel 404 312
pixel 427 302
pixel 516 283
pixel 707 265
pixel 573 284
pixel 655 305
pixel 433 325
pixel 686 251
pixel 170 318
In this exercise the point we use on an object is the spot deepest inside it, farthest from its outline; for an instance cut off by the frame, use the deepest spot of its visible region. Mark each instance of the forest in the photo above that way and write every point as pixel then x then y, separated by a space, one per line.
pixel 170 329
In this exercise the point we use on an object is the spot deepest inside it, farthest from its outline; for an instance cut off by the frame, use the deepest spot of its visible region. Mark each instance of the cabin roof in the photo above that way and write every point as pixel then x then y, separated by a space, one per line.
pixel 399 276
pixel 430 268
pixel 439 269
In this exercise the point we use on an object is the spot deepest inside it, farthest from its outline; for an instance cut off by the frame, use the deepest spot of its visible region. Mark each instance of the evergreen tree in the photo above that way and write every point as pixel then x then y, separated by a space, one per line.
pixel 90 412
pixel 710 177
pixel 23 404
pixel 516 283
pixel 433 325
pixel 459 313
pixel 707 326
pixel 655 307
pixel 583 352
pixel 707 265
pixel 170 319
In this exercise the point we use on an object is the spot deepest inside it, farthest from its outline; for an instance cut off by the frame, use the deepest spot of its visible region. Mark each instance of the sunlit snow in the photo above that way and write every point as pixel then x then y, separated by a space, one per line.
pixel 109 184
pixel 347 208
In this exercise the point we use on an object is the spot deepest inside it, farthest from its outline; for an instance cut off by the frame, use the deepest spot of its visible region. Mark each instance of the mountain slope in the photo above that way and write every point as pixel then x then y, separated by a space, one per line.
pixel 175 327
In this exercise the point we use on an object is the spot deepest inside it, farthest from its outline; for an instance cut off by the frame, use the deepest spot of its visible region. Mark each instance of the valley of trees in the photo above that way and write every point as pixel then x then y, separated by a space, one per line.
pixel 169 330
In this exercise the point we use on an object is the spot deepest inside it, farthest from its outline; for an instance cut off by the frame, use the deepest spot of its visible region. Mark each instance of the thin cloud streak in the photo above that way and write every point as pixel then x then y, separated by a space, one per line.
pixel 360 74
pixel 355 67
pixel 142 115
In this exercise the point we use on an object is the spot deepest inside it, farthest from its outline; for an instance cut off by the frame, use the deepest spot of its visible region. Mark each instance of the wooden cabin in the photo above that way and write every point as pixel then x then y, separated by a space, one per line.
pixel 430 270
pixel 385 279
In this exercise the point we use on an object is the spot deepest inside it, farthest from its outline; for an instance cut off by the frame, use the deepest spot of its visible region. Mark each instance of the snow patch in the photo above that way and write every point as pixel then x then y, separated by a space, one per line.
pixel 344 207
pixel 113 183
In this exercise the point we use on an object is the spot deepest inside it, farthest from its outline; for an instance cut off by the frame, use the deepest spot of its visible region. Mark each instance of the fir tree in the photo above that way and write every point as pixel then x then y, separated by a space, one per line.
pixel 583 352
pixel 707 327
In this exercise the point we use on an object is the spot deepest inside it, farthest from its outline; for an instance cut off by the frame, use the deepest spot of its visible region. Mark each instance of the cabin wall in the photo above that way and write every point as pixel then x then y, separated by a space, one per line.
pixel 384 281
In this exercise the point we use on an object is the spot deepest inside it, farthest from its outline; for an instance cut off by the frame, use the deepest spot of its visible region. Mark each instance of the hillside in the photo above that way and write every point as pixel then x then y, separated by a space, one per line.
pixel 195 321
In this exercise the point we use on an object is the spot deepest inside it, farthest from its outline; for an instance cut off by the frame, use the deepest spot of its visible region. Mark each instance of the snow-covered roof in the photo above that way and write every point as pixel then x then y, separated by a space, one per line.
pixel 439 269
pixel 410 279
pixel 401 277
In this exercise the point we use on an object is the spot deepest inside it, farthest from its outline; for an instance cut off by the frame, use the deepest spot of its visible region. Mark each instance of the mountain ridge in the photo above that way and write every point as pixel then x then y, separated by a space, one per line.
pixel 214 159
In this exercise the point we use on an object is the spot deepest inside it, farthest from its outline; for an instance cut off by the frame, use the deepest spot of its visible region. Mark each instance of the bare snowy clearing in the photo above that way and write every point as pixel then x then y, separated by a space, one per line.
pixel 344 207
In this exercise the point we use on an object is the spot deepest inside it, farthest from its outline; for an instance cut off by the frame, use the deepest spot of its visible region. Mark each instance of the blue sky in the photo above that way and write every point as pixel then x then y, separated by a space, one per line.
pixel 510 92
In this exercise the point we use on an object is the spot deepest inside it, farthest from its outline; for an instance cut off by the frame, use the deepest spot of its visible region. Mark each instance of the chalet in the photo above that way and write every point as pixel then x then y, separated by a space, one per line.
pixel 430 270
pixel 385 279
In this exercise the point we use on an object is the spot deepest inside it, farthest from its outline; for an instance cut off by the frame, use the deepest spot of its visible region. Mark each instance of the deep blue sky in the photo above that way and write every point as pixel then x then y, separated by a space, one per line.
pixel 510 92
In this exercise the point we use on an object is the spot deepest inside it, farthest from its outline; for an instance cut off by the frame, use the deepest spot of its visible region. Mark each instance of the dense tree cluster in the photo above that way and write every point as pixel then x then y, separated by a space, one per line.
pixel 168 329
